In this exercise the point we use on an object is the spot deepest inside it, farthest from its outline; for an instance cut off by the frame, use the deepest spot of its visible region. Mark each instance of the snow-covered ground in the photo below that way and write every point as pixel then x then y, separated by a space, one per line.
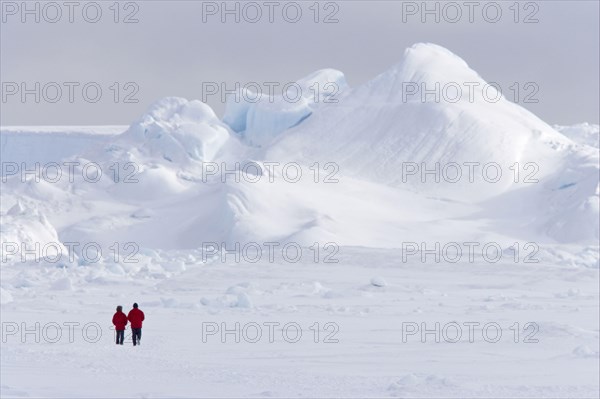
pixel 362 352
pixel 446 248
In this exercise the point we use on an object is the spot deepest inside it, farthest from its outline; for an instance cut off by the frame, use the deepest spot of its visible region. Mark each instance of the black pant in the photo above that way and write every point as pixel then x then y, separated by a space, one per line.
pixel 136 333
pixel 120 336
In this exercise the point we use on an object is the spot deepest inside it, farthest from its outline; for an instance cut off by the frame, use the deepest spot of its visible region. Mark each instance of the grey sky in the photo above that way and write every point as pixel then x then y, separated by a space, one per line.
pixel 171 52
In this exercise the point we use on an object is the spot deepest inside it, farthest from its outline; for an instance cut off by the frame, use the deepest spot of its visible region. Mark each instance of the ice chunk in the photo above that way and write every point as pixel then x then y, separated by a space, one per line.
pixel 378 282
pixel 260 117
pixel 176 130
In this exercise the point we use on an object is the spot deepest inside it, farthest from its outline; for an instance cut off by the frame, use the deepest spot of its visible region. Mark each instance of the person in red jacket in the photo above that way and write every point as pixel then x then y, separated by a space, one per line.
pixel 120 321
pixel 136 317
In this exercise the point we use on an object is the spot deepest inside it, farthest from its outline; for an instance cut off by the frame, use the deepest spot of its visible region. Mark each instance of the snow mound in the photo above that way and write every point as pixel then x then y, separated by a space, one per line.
pixel 369 136
pixel 377 129
pixel 387 131
pixel 175 131
pixel 27 235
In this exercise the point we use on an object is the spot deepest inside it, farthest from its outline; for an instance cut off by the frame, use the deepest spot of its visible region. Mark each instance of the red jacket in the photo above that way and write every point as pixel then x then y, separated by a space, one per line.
pixel 120 321
pixel 136 317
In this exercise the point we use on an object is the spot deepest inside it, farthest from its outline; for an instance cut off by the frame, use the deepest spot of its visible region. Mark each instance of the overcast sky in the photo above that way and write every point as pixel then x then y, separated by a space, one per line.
pixel 171 51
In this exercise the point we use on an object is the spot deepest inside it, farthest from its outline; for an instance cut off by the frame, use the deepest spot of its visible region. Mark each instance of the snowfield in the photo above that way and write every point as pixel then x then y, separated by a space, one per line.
pixel 375 242
pixel 360 354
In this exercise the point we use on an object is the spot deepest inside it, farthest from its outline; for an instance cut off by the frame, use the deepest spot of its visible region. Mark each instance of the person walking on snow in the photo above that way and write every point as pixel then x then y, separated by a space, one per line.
pixel 120 321
pixel 136 317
